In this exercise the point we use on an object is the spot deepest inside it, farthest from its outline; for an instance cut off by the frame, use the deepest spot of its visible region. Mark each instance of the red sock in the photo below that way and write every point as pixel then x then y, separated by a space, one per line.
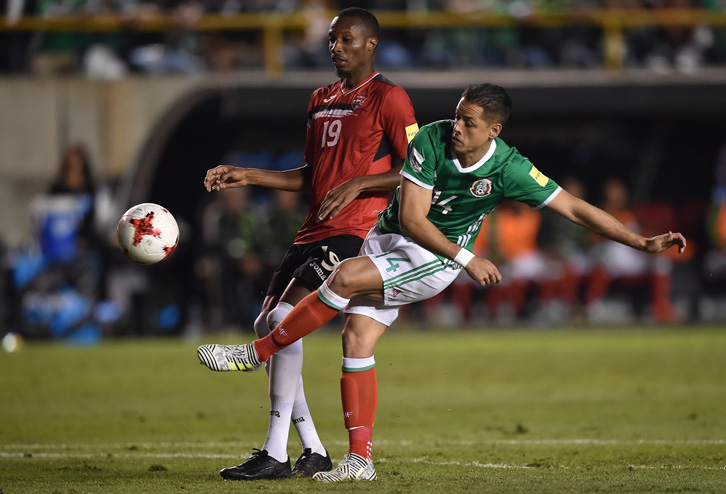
pixel 303 319
pixel 359 391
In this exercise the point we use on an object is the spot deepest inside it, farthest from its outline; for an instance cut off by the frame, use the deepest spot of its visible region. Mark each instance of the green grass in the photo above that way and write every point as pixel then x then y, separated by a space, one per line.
pixel 491 411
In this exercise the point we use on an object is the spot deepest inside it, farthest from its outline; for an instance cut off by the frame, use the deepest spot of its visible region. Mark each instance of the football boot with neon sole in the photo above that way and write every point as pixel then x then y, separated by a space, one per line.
pixel 223 358
pixel 353 467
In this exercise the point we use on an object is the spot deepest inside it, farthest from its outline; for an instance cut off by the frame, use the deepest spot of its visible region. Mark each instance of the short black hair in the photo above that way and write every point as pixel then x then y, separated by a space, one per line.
pixel 365 16
pixel 493 99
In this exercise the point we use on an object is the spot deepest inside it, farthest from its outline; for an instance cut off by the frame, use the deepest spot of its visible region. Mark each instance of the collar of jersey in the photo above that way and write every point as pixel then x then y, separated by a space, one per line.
pixel 476 165
pixel 342 91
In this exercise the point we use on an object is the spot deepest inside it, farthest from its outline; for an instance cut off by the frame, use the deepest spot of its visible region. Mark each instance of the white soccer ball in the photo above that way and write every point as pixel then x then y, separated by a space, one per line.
pixel 147 233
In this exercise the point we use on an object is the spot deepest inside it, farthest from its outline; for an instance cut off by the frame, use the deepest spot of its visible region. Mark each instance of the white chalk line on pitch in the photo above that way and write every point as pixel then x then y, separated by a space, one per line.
pixel 475 464
pixel 383 442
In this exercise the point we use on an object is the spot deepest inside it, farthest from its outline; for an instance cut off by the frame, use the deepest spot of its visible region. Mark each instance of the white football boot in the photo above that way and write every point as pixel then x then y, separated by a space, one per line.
pixel 223 358
pixel 353 467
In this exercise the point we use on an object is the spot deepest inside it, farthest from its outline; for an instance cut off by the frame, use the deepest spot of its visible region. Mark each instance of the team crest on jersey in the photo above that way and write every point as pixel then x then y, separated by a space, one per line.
pixel 358 100
pixel 481 188
pixel 415 160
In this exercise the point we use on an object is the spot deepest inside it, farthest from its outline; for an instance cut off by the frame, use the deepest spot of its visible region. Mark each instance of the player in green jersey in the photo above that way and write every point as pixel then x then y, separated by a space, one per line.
pixel 456 172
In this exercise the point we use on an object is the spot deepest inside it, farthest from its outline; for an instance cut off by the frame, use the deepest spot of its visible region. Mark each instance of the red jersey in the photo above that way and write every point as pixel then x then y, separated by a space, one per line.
pixel 364 131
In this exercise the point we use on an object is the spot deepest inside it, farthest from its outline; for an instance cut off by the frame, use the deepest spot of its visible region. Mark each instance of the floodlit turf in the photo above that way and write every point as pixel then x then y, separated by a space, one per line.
pixel 490 411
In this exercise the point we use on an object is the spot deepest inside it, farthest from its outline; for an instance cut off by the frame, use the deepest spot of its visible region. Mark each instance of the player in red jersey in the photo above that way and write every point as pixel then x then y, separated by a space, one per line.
pixel 358 129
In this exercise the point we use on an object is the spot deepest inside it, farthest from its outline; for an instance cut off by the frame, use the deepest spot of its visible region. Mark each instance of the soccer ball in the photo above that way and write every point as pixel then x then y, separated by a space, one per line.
pixel 147 233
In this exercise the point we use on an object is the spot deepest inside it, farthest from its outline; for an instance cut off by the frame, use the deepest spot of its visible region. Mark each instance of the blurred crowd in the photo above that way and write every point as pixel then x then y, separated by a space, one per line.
pixel 73 282
pixel 183 49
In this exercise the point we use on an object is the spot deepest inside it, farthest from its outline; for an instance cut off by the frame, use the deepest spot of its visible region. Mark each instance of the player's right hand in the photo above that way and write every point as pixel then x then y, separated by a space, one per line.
pixel 225 177
pixel 483 271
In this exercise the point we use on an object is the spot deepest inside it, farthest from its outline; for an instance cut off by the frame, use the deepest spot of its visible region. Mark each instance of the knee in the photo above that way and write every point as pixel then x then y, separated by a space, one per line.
pixel 343 280
pixel 261 326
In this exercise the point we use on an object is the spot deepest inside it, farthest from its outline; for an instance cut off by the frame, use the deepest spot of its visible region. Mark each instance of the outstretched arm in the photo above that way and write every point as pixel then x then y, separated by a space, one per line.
pixel 602 223
pixel 415 205
pixel 338 198
pixel 227 177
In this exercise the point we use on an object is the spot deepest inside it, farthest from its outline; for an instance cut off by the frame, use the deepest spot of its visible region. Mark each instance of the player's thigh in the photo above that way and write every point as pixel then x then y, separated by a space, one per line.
pixel 357 276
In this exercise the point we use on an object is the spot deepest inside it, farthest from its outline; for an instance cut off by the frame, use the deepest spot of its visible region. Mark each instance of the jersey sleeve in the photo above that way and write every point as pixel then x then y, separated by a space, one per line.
pixel 420 163
pixel 398 121
pixel 525 183
pixel 310 138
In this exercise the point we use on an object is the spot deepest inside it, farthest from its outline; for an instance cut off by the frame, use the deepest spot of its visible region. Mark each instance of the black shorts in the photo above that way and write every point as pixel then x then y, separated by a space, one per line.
pixel 312 263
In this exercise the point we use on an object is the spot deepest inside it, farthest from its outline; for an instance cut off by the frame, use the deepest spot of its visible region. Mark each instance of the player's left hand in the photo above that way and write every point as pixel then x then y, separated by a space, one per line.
pixel 665 241
pixel 338 198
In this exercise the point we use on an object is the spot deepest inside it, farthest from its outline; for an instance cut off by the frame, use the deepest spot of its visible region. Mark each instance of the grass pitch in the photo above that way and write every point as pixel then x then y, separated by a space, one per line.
pixel 474 411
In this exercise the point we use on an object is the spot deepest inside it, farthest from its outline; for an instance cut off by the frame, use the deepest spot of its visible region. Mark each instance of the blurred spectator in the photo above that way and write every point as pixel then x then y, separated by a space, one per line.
pixel 67 211
pixel 232 265
pixel 515 229
pixel 565 246
pixel 681 47
pixel 308 49
pixel 715 258
pixel 58 288
pixel 627 267
pixel 179 51
pixel 282 220
pixel 55 52
pixel 509 239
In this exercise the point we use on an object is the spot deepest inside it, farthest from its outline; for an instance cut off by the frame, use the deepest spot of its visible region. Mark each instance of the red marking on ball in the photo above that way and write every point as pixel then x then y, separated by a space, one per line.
pixel 168 250
pixel 144 226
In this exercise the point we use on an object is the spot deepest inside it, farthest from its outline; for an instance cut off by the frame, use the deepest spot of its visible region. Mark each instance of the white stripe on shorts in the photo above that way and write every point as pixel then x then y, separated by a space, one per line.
pixel 410 273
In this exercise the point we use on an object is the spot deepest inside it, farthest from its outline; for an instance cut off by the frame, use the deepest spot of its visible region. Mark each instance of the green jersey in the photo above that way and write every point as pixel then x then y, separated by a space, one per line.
pixel 463 197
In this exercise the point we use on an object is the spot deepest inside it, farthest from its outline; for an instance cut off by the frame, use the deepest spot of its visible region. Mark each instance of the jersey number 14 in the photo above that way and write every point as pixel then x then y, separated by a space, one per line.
pixel 444 203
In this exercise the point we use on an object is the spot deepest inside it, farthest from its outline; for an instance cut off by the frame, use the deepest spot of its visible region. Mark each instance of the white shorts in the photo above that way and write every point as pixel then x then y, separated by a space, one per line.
pixel 410 274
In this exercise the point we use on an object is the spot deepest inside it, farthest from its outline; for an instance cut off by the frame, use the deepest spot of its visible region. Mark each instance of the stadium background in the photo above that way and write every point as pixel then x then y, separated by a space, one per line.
pixel 599 91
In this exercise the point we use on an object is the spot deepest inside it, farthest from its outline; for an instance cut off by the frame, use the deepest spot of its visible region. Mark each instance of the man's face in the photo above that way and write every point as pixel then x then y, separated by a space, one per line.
pixel 351 46
pixel 472 131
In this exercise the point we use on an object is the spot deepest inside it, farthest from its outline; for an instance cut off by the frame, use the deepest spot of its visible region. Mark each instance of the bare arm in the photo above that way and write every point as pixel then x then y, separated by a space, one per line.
pixel 415 205
pixel 602 223
pixel 338 198
pixel 227 177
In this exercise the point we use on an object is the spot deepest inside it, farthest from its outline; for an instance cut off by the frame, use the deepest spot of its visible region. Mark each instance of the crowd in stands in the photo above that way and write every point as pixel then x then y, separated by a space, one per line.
pixel 556 273
pixel 183 49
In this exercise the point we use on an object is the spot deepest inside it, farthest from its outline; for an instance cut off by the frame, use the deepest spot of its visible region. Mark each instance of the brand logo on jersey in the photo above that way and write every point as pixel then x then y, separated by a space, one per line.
pixel 332 113
pixel 328 100
pixel 358 100
pixel 415 160
pixel 538 176
pixel 411 131
pixel 481 188
pixel 395 293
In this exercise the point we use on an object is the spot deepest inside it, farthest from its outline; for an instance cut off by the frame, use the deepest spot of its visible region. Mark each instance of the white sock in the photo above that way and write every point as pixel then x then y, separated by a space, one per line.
pixel 281 378
pixel 284 369
pixel 303 422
